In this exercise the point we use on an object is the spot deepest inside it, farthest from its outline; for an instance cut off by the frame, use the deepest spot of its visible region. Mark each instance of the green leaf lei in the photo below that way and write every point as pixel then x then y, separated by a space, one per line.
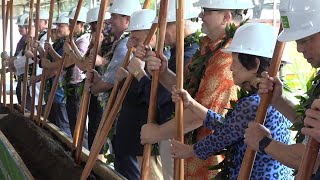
pixel 198 65
pixel 313 92
pixel 67 78
pixel 197 68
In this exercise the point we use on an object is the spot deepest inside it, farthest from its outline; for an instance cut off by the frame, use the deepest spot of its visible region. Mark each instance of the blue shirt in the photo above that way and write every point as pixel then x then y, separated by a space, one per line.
pixel 117 60
pixel 134 111
pixel 229 132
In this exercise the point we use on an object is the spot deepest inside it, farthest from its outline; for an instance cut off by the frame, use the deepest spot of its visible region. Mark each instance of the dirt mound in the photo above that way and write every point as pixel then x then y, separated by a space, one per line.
pixel 45 158
pixel 6 110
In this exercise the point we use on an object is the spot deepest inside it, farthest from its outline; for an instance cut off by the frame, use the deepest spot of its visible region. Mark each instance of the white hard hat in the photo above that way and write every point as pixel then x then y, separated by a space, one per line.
pixel 108 16
pixel 224 4
pixel 254 39
pixel 44 15
pixel 93 14
pixel 82 15
pixel 53 26
pixel 141 20
pixel 300 19
pixel 190 11
pixel 125 7
pixel 26 22
pixel 63 18
pixel 22 18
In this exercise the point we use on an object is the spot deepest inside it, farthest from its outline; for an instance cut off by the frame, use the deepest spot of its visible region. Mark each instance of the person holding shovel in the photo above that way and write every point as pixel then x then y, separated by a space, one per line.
pixel 138 96
pixel 250 58
pixel 300 21
pixel 83 63
pixel 208 77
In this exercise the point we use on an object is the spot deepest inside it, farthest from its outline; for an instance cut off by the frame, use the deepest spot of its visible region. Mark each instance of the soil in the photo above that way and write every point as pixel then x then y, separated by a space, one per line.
pixel 6 110
pixel 45 158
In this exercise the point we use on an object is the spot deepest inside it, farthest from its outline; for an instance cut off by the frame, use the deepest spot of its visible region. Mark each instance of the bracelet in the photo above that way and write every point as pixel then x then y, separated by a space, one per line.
pixel 264 143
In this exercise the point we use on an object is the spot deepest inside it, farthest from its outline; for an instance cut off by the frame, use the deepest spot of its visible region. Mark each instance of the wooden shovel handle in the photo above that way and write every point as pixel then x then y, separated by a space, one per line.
pixel 44 70
pixel 11 54
pixel 56 79
pixel 26 67
pixel 249 157
pixel 179 163
pixel 4 86
pixel 110 113
pixel 84 107
pixel 35 61
pixel 145 169
pixel 309 159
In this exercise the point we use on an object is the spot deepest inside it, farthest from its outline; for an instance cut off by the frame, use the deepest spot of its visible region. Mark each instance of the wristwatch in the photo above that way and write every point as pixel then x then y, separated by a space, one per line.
pixel 264 143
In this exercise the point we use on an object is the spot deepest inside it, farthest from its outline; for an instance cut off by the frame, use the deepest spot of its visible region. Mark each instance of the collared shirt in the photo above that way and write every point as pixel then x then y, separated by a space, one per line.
pixel 119 54
pixel 19 64
pixel 134 111
pixel 43 37
pixel 229 132
pixel 82 44
pixel 216 89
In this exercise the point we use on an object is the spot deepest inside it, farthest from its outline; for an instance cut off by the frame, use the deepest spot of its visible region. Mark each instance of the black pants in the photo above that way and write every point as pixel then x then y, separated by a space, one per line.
pixel 73 101
pixel 95 114
pixel 58 116
pixel 18 91
pixel 127 165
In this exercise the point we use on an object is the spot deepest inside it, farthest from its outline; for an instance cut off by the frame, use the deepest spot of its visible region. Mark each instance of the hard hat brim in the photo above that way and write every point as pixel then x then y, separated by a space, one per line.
pixel 245 51
pixel 200 4
pixel 295 35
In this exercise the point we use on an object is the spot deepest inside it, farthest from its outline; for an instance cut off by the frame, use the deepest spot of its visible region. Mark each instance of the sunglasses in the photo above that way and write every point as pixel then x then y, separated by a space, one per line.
pixel 206 10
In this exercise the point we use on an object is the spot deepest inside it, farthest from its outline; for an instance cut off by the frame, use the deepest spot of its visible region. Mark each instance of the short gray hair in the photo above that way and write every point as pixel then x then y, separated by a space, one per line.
pixel 238 15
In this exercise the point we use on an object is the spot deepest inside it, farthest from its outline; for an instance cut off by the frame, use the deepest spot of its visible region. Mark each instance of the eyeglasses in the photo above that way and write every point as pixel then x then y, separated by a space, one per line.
pixel 206 10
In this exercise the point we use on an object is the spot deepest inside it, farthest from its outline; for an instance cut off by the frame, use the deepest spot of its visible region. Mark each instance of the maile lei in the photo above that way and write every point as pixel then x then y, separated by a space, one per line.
pixel 107 50
pixel 67 77
pixel 197 67
pixel 313 92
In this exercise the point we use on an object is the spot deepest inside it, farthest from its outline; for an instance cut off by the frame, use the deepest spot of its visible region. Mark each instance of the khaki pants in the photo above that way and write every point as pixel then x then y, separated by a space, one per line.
pixel 166 159
pixel 156 167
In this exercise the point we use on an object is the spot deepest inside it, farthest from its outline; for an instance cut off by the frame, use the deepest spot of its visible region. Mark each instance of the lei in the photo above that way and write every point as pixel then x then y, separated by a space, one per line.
pixel 67 77
pixel 197 67
pixel 313 92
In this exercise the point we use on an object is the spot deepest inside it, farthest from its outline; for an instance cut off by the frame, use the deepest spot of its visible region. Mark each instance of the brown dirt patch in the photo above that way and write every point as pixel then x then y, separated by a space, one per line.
pixel 45 158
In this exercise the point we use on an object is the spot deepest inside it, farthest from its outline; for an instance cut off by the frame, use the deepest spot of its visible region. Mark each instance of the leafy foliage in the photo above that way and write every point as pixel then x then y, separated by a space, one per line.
pixel 313 92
